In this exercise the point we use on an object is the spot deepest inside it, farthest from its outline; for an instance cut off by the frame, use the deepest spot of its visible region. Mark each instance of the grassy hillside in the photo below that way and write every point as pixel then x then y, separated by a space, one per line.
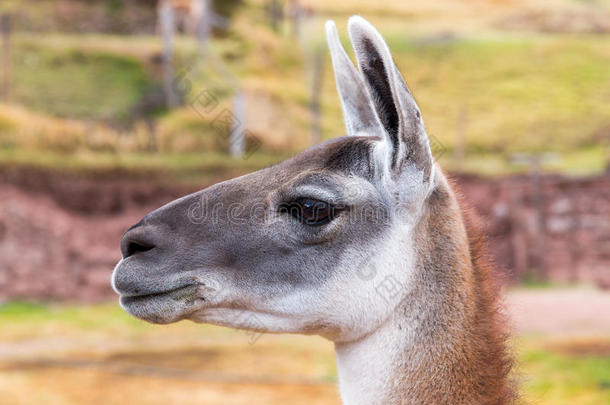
pixel 76 83
pixel 511 95
pixel 503 91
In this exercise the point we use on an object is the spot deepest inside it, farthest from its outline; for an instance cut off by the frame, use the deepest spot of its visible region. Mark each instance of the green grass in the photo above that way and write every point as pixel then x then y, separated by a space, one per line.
pixel 26 321
pixel 138 160
pixel 552 378
pixel 21 313
pixel 18 309
pixel 76 83
pixel 532 94
pixel 191 168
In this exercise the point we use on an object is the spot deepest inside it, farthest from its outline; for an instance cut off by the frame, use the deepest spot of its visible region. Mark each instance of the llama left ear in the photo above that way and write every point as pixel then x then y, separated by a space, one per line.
pixel 358 111
pixel 394 104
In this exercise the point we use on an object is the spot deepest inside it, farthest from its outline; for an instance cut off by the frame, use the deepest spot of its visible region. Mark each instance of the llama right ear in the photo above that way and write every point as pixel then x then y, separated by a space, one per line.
pixel 395 106
pixel 358 110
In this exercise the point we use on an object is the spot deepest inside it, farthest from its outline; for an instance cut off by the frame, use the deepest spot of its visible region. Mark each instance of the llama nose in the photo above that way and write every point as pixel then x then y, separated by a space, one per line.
pixel 137 239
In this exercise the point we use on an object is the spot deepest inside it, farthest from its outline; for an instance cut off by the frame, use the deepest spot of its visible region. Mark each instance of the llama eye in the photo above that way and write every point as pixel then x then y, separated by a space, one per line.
pixel 310 211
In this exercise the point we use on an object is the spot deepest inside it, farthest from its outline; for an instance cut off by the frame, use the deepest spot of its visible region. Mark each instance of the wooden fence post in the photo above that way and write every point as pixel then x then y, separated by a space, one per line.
pixel 541 214
pixel 316 94
pixel 517 236
pixel 535 161
pixel 166 21
pixel 5 28
pixel 296 15
pixel 574 232
pixel 275 14
pixel 202 24
pixel 237 141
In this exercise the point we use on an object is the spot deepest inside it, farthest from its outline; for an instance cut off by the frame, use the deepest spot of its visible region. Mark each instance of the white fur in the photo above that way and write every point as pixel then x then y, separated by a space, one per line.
pixel 368 368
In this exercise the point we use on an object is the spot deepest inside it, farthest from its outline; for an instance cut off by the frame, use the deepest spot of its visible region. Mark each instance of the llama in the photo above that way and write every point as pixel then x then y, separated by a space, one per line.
pixel 360 240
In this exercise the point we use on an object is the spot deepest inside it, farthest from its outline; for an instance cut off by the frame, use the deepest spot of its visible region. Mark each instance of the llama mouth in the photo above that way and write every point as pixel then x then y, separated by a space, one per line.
pixel 187 291
pixel 164 307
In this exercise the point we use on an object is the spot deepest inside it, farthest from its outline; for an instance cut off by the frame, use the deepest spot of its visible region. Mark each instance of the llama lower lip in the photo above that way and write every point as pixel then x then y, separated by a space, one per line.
pixel 183 292
pixel 164 307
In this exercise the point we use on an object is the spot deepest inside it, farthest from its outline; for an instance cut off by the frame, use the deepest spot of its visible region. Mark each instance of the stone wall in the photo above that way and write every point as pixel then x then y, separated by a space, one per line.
pixel 548 227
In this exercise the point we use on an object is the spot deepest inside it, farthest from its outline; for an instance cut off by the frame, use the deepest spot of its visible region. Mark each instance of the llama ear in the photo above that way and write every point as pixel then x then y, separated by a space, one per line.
pixel 358 111
pixel 395 106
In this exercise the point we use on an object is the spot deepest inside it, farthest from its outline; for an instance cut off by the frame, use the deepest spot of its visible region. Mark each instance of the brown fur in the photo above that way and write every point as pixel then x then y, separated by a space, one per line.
pixel 459 353
pixel 491 332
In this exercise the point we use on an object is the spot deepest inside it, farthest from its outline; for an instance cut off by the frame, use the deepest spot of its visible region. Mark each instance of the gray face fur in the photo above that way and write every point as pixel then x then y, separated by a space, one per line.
pixel 229 255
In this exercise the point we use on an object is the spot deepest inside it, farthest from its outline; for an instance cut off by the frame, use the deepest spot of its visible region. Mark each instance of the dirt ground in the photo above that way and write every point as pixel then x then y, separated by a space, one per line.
pixel 560 311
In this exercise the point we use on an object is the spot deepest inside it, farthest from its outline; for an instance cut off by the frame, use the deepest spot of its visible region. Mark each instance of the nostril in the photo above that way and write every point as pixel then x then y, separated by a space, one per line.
pixel 140 238
pixel 134 247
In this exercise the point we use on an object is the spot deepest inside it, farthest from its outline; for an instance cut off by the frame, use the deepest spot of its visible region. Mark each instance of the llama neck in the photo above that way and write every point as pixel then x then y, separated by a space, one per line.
pixel 442 344
pixel 370 369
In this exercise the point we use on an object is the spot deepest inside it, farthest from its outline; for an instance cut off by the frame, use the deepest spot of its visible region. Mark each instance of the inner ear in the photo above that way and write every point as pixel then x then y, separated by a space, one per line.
pixel 376 76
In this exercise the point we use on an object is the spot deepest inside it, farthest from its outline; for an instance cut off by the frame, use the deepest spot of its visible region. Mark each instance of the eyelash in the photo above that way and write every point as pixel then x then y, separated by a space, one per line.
pixel 310 211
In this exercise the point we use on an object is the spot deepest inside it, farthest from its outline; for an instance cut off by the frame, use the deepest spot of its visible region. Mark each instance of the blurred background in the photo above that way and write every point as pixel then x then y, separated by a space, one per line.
pixel 110 108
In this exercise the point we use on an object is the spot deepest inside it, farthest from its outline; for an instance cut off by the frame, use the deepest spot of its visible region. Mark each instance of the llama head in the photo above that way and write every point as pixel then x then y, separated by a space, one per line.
pixel 302 246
